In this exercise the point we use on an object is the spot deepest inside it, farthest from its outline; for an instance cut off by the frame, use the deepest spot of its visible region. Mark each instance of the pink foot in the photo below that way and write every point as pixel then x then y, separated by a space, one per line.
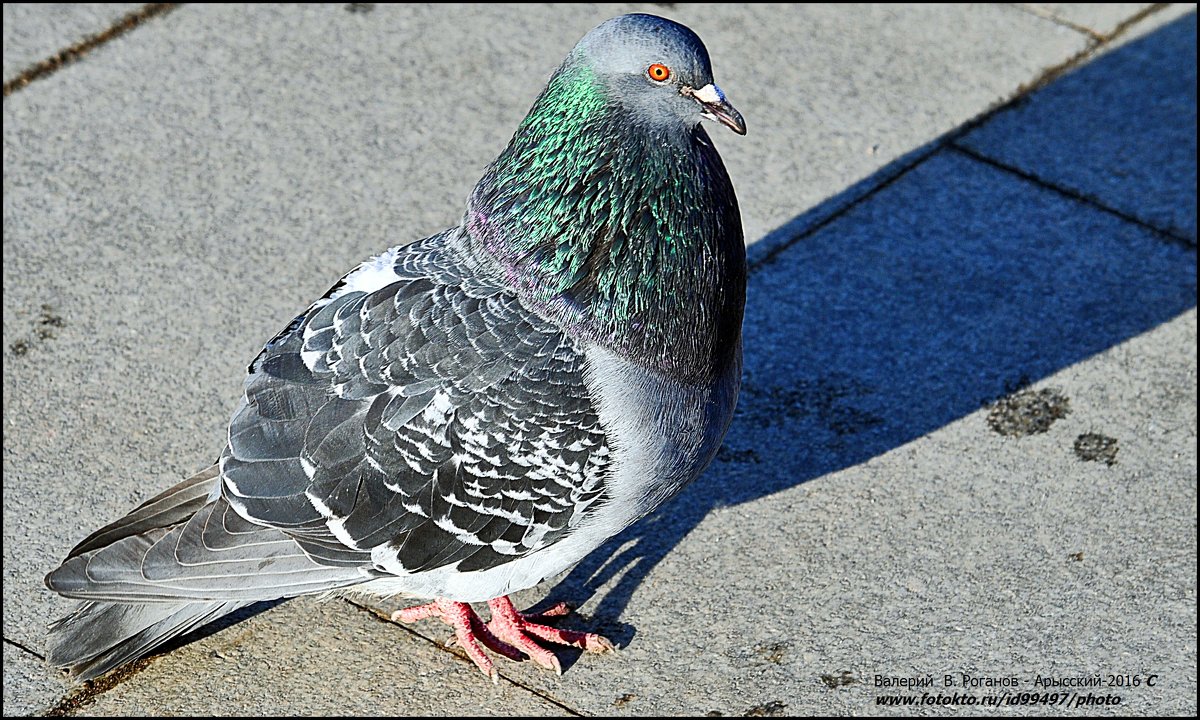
pixel 509 633
pixel 520 629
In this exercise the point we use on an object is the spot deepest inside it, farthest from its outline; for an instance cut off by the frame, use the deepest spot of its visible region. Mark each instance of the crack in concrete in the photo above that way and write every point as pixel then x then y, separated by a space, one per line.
pixel 80 697
pixel 378 615
pixel 1133 20
pixel 1046 14
pixel 23 648
pixel 1095 36
pixel 1056 71
pixel 68 55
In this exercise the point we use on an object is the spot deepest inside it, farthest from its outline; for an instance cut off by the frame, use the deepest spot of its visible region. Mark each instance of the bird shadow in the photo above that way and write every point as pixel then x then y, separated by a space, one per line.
pixel 216 626
pixel 871 324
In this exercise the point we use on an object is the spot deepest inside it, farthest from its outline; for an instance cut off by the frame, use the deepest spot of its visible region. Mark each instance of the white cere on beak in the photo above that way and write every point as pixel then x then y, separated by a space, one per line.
pixel 709 94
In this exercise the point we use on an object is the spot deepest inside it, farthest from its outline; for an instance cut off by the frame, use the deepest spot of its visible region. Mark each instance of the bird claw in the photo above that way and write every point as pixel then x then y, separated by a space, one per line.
pixel 558 610
pixel 509 633
pixel 415 613
pixel 521 630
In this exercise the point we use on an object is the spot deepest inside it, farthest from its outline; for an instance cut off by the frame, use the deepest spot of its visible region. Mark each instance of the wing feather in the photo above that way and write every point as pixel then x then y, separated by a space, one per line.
pixel 435 416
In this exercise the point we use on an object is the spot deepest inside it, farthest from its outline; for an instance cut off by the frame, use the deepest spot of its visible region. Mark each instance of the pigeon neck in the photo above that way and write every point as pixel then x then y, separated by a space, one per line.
pixel 624 234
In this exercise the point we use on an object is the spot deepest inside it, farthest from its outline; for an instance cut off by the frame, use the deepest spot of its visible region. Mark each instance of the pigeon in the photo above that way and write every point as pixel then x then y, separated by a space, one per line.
pixel 469 414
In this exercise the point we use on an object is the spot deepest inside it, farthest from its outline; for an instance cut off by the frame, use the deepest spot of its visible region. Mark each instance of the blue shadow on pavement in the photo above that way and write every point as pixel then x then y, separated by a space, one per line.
pixel 950 286
pixel 1121 131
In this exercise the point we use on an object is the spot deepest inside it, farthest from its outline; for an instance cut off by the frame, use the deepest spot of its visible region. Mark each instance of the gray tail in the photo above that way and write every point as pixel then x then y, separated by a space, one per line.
pixel 100 636
pixel 178 561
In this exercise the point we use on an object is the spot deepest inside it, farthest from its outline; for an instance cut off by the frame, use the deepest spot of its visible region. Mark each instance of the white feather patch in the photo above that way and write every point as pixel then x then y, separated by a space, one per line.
pixel 374 274
pixel 335 524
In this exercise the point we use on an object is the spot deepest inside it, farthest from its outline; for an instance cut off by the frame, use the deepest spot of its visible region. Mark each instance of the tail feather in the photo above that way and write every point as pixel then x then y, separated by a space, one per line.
pixel 100 636
pixel 176 562
pixel 213 555
pixel 164 510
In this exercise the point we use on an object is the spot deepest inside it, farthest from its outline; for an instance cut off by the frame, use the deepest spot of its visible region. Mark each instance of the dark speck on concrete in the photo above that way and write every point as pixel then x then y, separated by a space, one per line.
pixel 1096 448
pixel 44 329
pixel 830 400
pixel 50 319
pixel 772 652
pixel 727 454
pixel 842 679
pixel 1028 412
pixel 360 7
pixel 1075 557
pixel 771 709
pixel 624 700
pixel 47 322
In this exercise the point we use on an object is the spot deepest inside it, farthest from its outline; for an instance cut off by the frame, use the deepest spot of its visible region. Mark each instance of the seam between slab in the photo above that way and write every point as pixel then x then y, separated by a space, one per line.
pixel 379 616
pixel 81 696
pixel 1092 202
pixel 74 52
pixel 1045 14
pixel 78 698
pixel 782 246
pixel 1095 35
pixel 21 647
pixel 951 137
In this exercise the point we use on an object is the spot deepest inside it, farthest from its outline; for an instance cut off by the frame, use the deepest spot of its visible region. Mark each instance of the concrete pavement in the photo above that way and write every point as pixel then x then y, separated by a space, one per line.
pixel 921 247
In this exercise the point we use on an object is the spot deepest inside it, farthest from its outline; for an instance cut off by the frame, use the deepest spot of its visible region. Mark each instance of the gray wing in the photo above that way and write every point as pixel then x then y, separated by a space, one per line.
pixel 428 422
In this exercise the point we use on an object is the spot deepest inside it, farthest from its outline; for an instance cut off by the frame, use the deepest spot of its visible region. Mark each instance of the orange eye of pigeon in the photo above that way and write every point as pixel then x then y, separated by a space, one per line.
pixel 658 72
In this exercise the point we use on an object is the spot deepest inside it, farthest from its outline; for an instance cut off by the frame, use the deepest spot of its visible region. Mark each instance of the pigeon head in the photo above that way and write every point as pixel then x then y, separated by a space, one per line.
pixel 658 70
pixel 610 211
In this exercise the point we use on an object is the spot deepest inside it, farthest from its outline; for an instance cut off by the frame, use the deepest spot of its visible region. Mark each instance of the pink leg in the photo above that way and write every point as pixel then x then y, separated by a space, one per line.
pixel 469 632
pixel 520 629
pixel 509 633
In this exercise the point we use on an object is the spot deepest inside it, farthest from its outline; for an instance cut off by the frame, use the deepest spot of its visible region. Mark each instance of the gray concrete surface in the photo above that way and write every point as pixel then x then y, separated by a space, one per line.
pixel 172 201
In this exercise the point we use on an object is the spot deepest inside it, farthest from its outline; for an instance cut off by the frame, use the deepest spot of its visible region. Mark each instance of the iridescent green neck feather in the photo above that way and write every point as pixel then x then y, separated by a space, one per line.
pixel 624 232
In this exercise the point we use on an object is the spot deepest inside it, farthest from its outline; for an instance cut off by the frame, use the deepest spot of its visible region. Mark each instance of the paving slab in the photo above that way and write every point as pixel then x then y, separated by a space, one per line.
pixel 35 31
pixel 229 163
pixel 865 519
pixel 1121 129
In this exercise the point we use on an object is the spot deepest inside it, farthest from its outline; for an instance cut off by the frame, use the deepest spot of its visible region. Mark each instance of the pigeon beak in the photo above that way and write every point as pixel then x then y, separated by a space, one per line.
pixel 716 107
